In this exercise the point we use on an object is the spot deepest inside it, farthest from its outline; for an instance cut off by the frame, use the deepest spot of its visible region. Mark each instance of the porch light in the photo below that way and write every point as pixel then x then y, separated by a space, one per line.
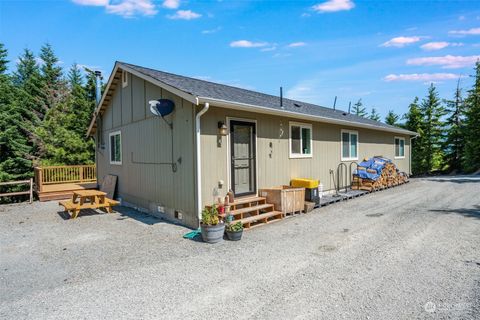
pixel 222 128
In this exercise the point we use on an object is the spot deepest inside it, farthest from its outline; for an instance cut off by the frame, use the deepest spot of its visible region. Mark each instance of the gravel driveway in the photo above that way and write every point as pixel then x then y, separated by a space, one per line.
pixel 404 253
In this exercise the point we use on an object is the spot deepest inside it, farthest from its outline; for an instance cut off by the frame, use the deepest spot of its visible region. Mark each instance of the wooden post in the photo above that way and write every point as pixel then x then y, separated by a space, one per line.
pixel 40 179
pixel 80 169
pixel 31 190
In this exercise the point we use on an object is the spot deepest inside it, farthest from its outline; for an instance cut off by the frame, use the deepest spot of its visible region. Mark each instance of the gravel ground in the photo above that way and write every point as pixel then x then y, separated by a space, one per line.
pixel 404 253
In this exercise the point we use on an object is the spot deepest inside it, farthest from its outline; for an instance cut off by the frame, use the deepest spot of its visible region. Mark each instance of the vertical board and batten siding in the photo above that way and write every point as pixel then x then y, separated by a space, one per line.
pixel 274 167
pixel 147 142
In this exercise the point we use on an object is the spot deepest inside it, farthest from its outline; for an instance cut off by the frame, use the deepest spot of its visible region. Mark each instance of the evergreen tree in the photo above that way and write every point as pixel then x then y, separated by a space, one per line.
pixel 14 145
pixel 413 122
pixel 358 109
pixel 64 127
pixel 432 129
pixel 27 78
pixel 392 118
pixel 374 115
pixel 455 129
pixel 51 76
pixel 3 59
pixel 471 158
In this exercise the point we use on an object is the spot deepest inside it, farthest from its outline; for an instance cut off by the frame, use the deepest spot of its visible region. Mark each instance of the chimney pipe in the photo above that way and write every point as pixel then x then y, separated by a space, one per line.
pixel 334 102
pixel 281 97
pixel 349 106
pixel 98 86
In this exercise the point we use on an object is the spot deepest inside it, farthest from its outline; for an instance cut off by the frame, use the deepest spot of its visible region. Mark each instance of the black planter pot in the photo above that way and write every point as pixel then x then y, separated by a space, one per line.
pixel 234 235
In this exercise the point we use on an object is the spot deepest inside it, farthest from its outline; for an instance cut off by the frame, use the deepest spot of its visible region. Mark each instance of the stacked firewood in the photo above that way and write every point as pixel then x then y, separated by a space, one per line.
pixel 390 176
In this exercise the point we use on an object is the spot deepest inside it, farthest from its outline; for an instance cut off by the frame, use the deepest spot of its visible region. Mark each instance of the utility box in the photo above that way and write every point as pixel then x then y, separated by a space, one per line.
pixel 311 189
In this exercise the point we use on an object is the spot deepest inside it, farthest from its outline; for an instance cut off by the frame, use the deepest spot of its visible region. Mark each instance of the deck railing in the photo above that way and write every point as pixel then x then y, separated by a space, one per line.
pixel 64 174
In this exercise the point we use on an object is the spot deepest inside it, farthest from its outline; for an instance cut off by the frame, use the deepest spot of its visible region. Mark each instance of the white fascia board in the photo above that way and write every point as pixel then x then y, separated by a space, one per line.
pixel 296 115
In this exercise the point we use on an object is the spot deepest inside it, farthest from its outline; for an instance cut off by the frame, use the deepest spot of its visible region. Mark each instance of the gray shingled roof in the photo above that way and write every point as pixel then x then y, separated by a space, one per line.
pixel 207 89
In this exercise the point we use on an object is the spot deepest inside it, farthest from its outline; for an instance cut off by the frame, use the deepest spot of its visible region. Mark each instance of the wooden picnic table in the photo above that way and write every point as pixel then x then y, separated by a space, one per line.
pixel 93 196
pixel 88 199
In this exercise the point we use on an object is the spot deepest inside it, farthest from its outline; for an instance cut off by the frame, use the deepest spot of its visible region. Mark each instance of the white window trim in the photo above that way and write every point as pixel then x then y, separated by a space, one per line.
pixel 301 125
pixel 124 78
pixel 341 144
pixel 110 147
pixel 394 151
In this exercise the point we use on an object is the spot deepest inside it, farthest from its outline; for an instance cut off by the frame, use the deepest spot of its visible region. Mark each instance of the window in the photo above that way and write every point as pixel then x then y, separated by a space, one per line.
pixel 349 145
pixel 300 140
pixel 116 147
pixel 399 147
pixel 124 79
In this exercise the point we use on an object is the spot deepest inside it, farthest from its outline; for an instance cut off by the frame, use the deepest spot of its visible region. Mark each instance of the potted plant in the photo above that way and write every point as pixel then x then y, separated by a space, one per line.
pixel 211 226
pixel 234 231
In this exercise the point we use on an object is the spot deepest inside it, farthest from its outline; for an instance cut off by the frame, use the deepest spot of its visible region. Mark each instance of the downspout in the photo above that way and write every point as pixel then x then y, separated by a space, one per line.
pixel 199 159
pixel 410 154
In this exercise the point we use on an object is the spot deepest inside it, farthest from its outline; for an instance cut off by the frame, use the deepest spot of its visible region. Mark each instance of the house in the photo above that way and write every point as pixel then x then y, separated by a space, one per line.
pixel 220 137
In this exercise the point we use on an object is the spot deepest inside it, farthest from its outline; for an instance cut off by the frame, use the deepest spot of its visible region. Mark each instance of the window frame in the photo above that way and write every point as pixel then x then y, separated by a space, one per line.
pixel 124 78
pixel 114 133
pixel 302 126
pixel 395 148
pixel 349 141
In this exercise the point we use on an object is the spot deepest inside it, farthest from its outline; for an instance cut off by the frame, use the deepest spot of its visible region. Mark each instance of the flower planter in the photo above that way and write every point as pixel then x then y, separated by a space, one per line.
pixel 234 235
pixel 212 234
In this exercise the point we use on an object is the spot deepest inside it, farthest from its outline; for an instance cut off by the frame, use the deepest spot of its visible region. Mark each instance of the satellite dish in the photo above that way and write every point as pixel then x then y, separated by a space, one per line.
pixel 161 107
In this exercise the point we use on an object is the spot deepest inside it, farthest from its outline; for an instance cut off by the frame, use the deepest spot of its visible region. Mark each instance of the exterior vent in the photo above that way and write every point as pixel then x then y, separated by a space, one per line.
pixel 297 105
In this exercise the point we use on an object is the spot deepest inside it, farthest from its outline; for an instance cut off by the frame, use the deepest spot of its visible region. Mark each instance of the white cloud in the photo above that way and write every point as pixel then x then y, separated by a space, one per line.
pixel 431 46
pixel 426 77
pixel 99 3
pixel 472 31
pixel 171 4
pixel 401 41
pixel 125 8
pixel 446 62
pixel 129 8
pixel 210 31
pixel 184 15
pixel 297 44
pixel 269 49
pixel 334 5
pixel 247 44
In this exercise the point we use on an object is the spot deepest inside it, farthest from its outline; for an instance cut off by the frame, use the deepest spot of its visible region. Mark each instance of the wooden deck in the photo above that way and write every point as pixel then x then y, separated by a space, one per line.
pixel 62 191
pixel 59 182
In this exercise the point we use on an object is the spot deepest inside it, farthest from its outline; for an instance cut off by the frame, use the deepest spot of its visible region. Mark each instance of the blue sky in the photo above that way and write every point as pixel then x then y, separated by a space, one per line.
pixel 384 52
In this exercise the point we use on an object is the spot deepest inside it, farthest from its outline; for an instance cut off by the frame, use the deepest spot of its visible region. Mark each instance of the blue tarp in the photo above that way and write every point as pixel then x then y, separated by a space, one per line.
pixel 375 163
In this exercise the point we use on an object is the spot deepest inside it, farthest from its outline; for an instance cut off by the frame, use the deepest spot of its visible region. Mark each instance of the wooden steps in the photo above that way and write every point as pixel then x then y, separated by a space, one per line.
pixel 262 218
pixel 62 191
pixel 253 211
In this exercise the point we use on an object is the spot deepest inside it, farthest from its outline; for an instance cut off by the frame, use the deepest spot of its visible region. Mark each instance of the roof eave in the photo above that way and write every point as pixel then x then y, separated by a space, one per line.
pixel 297 115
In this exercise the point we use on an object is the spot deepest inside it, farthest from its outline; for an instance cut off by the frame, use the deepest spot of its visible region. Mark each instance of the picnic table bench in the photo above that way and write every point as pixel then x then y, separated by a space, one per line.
pixel 88 199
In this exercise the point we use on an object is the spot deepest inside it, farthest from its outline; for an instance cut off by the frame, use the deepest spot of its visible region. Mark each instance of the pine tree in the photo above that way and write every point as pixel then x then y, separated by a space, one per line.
pixel 358 109
pixel 51 76
pixel 374 115
pixel 432 129
pixel 64 127
pixel 3 59
pixel 413 122
pixel 471 158
pixel 15 149
pixel 28 79
pixel 392 118
pixel 455 129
